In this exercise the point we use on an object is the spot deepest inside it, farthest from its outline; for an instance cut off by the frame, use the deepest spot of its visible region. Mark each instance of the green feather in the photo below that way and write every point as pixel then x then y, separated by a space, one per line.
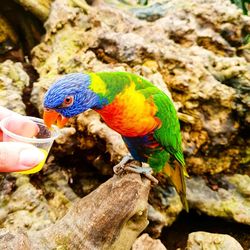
pixel 169 136
pixel 169 133
pixel 116 82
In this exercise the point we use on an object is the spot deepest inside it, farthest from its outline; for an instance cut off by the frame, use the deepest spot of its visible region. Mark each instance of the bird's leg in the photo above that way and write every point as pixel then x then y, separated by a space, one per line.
pixel 119 168
pixel 146 171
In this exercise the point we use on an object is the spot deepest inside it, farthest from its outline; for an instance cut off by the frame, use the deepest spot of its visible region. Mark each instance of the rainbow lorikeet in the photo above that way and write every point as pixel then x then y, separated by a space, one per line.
pixel 129 104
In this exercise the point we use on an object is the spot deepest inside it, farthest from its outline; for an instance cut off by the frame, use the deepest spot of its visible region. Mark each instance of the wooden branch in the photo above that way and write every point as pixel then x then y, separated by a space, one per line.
pixel 111 217
pixel 39 8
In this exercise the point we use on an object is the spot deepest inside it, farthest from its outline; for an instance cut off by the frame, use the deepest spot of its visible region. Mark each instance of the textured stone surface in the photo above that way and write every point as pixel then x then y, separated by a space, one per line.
pixel 145 242
pixel 8 37
pixel 209 241
pixel 165 206
pixel 29 205
pixel 229 200
pixel 13 80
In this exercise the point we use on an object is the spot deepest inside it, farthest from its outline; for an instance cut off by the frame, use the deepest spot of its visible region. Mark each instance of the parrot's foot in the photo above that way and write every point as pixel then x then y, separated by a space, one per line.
pixel 146 171
pixel 119 168
pixel 122 167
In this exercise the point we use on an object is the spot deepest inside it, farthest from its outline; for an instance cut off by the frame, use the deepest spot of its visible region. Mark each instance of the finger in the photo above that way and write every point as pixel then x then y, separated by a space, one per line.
pixel 15 156
pixel 22 126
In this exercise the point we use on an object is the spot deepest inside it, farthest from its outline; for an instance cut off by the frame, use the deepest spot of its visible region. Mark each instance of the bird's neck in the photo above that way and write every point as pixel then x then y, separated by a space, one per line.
pixel 106 86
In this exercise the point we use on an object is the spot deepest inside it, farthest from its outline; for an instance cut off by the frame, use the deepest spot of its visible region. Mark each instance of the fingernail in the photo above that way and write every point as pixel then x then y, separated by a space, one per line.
pixel 30 157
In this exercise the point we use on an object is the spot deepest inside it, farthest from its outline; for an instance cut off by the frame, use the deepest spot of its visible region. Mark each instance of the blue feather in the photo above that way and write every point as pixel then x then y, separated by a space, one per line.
pixel 142 147
pixel 77 85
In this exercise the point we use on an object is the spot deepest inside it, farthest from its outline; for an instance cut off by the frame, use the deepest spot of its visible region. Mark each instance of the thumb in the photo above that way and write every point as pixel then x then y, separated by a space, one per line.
pixel 17 156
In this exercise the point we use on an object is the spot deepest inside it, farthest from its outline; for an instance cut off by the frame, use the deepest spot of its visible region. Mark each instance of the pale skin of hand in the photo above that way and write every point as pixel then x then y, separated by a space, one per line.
pixel 17 156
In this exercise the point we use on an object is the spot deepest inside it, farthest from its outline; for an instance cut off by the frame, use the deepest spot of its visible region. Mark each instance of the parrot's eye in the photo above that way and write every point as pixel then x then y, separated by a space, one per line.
pixel 68 101
pixel 47 110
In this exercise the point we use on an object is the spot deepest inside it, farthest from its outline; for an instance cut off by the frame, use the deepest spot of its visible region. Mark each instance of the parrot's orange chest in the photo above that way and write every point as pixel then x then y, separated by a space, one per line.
pixel 130 114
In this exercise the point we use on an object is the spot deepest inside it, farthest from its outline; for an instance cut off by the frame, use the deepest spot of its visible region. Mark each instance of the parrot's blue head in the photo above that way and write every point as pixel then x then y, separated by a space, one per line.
pixel 67 97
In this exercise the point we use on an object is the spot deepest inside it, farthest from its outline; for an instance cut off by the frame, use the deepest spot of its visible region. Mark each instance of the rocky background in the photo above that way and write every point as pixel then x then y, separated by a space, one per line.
pixel 196 51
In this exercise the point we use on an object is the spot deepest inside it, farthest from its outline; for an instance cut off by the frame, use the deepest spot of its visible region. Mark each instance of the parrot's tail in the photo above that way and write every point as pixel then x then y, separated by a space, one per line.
pixel 176 175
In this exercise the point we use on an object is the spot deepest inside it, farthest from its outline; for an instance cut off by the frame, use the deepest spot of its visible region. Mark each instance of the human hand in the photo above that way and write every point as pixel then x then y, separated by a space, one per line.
pixel 17 156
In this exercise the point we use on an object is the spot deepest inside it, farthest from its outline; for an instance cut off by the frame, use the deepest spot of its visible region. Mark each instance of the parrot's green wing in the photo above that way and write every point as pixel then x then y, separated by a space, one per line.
pixel 169 136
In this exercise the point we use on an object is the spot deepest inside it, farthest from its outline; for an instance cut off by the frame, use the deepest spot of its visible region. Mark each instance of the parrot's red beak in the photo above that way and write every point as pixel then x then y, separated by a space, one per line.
pixel 51 117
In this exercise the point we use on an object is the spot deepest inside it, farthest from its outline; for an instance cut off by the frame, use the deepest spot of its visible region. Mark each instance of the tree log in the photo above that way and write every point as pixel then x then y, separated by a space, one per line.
pixel 111 217
pixel 39 8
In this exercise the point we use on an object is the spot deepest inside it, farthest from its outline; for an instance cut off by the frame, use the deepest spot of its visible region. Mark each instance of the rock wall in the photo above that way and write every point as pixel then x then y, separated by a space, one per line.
pixel 193 51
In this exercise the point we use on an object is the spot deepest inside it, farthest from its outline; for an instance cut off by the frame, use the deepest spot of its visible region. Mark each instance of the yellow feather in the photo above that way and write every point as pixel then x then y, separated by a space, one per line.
pixel 176 176
pixel 130 113
pixel 97 84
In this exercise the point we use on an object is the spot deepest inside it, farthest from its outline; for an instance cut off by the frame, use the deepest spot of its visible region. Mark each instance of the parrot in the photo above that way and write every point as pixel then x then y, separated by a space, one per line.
pixel 131 105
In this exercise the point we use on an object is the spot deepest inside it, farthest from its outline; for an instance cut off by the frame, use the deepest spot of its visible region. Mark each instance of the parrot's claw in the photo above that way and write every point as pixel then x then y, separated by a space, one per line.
pixel 120 167
pixel 138 170
pixel 152 179
pixel 146 171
